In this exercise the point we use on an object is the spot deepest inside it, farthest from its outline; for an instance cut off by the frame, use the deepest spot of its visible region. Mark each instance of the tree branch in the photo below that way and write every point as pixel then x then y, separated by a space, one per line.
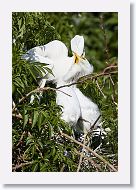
pixel 37 90
pixel 90 150
pixel 80 81
pixel 98 86
pixel 90 77
pixel 22 165
pixel 98 168
pixel 85 147
pixel 81 156
pixel 19 116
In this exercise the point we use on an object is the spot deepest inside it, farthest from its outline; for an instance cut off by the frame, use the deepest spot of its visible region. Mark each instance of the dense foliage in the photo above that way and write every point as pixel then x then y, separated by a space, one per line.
pixel 38 144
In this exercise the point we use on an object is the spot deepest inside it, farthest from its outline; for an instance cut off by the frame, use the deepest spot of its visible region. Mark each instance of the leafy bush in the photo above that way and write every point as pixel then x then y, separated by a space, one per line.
pixel 41 140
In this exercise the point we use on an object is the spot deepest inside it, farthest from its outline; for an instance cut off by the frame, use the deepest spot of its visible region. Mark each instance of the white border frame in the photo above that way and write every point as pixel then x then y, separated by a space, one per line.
pixel 123 174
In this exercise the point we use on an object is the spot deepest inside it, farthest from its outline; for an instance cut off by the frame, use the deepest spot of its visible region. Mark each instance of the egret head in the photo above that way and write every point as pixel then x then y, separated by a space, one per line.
pixel 78 58
pixel 77 47
pixel 80 66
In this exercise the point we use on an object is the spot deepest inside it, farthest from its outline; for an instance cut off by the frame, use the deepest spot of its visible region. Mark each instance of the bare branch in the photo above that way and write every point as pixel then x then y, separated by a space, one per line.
pixel 62 168
pixel 22 165
pixel 100 89
pixel 88 77
pixel 21 138
pixel 90 150
pixel 112 66
pixel 85 147
pixel 81 156
pixel 37 90
pixel 93 125
pixel 19 116
pixel 80 81
pixel 98 168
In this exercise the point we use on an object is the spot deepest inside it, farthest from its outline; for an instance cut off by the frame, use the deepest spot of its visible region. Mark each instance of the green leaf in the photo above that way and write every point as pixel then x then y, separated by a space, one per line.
pixel 49 70
pixel 35 117
pixel 41 69
pixel 43 167
pixel 18 82
pixel 36 70
pixel 33 151
pixel 35 167
pixel 25 120
pixel 45 114
pixel 55 158
pixel 40 119
pixel 25 117
pixel 19 23
pixel 51 131
pixel 53 151
pixel 30 139
pixel 31 72
pixel 13 88
pixel 40 143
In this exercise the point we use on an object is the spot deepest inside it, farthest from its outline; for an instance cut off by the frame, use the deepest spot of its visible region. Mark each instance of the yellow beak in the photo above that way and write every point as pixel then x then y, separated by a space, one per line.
pixel 77 58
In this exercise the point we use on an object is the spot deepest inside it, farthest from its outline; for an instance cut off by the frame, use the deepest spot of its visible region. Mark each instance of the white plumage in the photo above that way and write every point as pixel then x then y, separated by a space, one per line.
pixel 70 105
pixel 89 112
pixel 67 70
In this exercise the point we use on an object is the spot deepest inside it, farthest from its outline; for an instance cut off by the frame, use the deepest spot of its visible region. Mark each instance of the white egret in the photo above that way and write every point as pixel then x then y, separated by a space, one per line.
pixel 89 110
pixel 55 54
pixel 67 70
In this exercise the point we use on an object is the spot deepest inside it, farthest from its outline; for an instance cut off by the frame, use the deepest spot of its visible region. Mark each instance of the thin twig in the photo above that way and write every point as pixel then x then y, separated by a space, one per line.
pixel 37 90
pixel 81 156
pixel 110 67
pixel 80 81
pixel 96 121
pixel 82 119
pixel 13 104
pixel 90 160
pixel 98 147
pixel 100 89
pixel 113 99
pixel 112 81
pixel 22 165
pixel 88 77
pixel 90 150
pixel 62 168
pixel 37 148
pixel 55 89
pixel 24 97
pixel 87 148
pixel 105 38
pixel 93 125
pixel 19 116
pixel 21 138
